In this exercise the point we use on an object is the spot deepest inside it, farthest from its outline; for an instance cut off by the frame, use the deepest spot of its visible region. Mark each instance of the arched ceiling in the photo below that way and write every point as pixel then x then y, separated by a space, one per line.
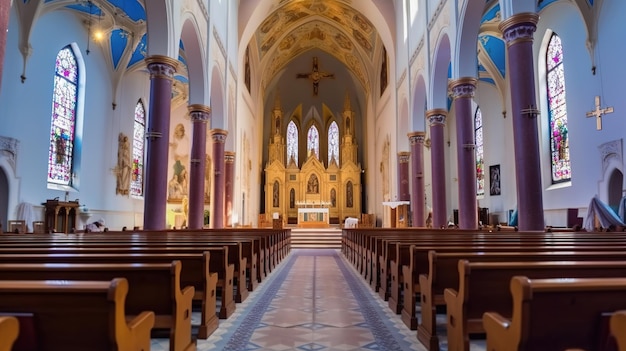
pixel 294 27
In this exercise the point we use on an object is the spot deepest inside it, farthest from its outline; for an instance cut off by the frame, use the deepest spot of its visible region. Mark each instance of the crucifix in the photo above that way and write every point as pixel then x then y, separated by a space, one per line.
pixel 598 112
pixel 315 76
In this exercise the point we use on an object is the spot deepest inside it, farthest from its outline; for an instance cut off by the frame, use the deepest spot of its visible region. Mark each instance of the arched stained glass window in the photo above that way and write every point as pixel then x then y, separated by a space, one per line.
pixel 63 118
pixel 480 160
pixel 292 142
pixel 559 137
pixel 333 143
pixel 136 182
pixel 313 142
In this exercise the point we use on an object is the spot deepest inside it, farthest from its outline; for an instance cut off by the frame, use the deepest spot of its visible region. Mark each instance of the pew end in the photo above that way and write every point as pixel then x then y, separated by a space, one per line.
pixel 9 329
pixel 618 329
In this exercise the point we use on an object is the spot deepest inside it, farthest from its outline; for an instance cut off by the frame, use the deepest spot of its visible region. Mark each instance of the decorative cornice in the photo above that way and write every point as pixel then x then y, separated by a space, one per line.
pixel 436 116
pixel 161 66
pixel 463 87
pixel 519 28
pixel 416 138
pixel 216 35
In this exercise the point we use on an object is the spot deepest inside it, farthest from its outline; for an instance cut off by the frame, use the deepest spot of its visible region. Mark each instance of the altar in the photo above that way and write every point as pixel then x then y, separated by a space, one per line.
pixel 313 217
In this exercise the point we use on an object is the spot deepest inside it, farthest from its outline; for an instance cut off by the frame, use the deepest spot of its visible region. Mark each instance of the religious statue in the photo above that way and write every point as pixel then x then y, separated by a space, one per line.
pixel 292 198
pixel 349 201
pixel 313 187
pixel 333 197
pixel 180 151
pixel 123 169
pixel 275 198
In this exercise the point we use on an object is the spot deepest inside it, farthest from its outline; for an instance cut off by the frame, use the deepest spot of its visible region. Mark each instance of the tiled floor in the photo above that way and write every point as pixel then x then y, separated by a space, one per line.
pixel 315 300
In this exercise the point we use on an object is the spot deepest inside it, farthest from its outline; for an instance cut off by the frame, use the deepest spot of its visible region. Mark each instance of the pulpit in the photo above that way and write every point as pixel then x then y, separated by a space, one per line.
pixel 61 216
pixel 396 214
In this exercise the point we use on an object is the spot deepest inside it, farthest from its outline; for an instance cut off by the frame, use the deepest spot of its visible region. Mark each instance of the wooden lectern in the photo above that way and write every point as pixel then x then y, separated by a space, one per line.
pixel 396 214
pixel 61 216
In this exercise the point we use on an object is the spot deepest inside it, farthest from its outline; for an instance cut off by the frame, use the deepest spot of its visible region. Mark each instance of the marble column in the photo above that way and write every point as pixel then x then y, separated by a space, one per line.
pixel 437 122
pixel 463 93
pixel 403 176
pixel 5 11
pixel 418 197
pixel 518 33
pixel 200 115
pixel 162 69
pixel 229 175
pixel 217 206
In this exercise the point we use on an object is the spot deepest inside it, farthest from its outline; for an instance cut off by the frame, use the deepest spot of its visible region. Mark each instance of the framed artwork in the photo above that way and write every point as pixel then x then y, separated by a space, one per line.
pixel 494 180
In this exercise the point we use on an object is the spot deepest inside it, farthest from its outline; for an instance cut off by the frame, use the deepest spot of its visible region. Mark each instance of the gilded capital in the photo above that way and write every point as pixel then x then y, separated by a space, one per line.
pixel 519 27
pixel 229 156
pixel 416 138
pixel 404 156
pixel 436 117
pixel 463 87
pixel 199 112
pixel 219 136
pixel 161 66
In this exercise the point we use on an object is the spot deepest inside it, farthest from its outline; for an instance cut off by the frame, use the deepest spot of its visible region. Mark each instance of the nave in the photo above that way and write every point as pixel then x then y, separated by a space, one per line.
pixel 315 300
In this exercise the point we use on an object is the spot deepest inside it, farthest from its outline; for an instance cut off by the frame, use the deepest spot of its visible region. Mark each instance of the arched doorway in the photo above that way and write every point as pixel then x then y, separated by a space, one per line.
pixel 614 190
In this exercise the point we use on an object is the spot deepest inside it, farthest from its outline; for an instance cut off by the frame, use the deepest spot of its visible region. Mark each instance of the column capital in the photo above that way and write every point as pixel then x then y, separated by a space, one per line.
pixel 229 156
pixel 404 156
pixel 519 27
pixel 436 116
pixel 416 138
pixel 199 112
pixel 463 87
pixel 219 135
pixel 161 66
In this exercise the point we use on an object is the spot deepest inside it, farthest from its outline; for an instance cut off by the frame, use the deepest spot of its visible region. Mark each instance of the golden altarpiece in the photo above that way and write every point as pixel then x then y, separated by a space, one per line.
pixel 314 194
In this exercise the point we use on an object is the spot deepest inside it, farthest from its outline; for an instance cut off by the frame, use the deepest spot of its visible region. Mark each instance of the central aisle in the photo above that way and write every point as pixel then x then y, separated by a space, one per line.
pixel 313 301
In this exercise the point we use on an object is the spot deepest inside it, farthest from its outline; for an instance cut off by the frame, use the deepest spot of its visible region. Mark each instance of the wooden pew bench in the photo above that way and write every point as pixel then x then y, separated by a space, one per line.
pixel 78 315
pixel 554 314
pixel 443 274
pixel 195 272
pixel 9 329
pixel 152 287
pixel 618 329
pixel 484 287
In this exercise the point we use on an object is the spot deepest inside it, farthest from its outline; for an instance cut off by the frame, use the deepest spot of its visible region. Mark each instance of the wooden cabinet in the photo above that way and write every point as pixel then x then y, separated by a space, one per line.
pixel 61 216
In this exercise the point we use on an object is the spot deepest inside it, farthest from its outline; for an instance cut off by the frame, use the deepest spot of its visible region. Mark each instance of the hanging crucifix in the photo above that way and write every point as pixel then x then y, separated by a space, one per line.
pixel 316 76
pixel 598 112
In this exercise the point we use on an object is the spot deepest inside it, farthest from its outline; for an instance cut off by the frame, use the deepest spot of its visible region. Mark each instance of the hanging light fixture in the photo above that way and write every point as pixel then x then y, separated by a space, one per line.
pixel 89 26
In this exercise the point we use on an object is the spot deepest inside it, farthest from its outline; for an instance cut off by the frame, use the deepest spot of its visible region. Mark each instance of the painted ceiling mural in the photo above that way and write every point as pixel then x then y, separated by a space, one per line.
pixel 295 27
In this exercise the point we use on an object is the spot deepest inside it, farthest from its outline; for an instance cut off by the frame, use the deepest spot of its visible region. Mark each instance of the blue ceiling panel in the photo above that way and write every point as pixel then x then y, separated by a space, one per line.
pixel 140 51
pixel 491 14
pixel 543 3
pixel 133 9
pixel 487 80
pixel 495 49
pixel 119 40
pixel 88 8
pixel 182 79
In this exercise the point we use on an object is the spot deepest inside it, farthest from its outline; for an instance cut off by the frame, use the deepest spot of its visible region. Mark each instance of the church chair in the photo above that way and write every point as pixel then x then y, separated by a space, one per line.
pixel 17 226
pixel 39 227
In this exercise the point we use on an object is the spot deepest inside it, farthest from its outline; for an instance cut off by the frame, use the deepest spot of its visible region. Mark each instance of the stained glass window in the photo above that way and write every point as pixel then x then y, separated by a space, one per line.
pixel 480 160
pixel 63 118
pixel 313 142
pixel 333 143
pixel 292 142
pixel 559 137
pixel 136 182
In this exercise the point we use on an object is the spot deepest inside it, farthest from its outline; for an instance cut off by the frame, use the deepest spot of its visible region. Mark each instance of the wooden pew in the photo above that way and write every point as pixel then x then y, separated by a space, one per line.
pixel 483 287
pixel 9 329
pixel 78 315
pixel 554 314
pixel 152 287
pixel 195 272
pixel 443 273
pixel 618 329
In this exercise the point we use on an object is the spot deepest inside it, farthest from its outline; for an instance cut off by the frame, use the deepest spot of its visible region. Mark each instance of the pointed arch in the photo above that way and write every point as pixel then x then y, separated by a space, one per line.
pixel 333 142
pixel 139 131
pixel 63 118
pixel 292 142
pixel 557 112
pixel 313 141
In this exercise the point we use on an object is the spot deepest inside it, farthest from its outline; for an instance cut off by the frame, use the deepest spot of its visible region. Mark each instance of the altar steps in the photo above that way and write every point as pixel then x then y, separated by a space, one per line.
pixel 316 238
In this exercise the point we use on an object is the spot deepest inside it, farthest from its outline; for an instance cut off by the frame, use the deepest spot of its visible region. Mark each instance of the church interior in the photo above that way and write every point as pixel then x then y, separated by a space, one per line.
pixel 163 115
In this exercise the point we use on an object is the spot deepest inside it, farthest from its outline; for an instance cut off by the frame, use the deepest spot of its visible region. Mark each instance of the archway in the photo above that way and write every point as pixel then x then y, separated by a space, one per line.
pixel 4 199
pixel 616 179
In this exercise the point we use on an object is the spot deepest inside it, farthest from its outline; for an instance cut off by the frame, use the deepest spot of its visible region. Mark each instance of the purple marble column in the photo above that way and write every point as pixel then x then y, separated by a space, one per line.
pixel 463 93
pixel 418 197
pixel 200 115
pixel 437 121
pixel 229 168
pixel 403 176
pixel 217 206
pixel 5 11
pixel 518 33
pixel 162 69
